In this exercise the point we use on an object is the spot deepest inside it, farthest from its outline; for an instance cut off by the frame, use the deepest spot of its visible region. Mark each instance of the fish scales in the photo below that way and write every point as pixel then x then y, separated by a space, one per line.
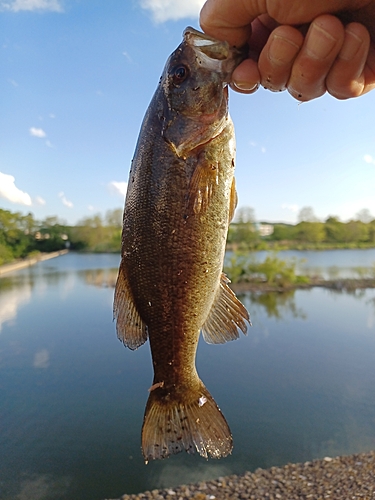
pixel 178 206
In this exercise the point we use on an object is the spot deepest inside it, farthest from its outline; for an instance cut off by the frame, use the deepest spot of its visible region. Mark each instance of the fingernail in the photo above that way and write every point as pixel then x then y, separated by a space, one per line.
pixel 245 86
pixel 319 42
pixel 282 50
pixel 351 46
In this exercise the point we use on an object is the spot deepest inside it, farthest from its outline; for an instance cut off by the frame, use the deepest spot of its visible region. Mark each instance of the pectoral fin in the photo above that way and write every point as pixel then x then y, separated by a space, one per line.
pixel 226 316
pixel 233 200
pixel 203 182
pixel 131 329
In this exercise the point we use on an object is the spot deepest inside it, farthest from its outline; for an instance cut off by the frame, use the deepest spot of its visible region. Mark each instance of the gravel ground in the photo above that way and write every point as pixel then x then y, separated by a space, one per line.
pixel 340 478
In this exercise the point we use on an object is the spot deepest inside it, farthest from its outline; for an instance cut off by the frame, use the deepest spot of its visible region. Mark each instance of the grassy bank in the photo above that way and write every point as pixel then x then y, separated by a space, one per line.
pixel 246 273
pixel 243 268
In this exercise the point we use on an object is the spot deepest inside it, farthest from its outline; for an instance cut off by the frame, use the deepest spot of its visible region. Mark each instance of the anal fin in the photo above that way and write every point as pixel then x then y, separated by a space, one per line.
pixel 131 329
pixel 227 315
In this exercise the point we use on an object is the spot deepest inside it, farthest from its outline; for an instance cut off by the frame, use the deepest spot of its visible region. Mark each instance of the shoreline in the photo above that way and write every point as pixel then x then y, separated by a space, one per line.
pixel 22 264
pixel 339 478
pixel 340 284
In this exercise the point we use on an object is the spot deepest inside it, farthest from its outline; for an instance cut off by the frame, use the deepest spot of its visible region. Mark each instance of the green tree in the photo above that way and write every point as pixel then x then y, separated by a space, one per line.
pixel 306 214
pixel 371 231
pixel 15 236
pixel 356 231
pixel 244 215
pixel 282 232
pixel 243 232
pixel 364 215
pixel 335 230
pixel 113 218
pixel 311 232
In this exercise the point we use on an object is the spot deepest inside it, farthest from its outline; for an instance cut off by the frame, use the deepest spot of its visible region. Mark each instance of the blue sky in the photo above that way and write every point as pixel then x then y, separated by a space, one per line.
pixel 76 77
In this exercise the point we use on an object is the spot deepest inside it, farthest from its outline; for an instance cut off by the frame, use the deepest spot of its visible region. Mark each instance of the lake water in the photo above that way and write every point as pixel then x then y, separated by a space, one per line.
pixel 300 386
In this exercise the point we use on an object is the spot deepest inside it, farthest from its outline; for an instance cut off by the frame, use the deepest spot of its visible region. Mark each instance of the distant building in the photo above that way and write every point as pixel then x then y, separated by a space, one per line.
pixel 264 229
pixel 42 236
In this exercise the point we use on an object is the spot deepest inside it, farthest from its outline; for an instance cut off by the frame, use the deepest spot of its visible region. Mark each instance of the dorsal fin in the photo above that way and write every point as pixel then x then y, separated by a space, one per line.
pixel 227 314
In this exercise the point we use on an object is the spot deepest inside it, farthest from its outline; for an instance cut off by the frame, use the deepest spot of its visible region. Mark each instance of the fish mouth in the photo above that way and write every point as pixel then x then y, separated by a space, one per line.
pixel 212 54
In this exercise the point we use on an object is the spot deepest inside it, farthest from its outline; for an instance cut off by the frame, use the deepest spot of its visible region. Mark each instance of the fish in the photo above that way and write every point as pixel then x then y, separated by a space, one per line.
pixel 170 287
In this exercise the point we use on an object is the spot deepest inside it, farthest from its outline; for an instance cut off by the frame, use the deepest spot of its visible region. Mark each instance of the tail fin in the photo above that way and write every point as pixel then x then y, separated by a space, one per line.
pixel 171 426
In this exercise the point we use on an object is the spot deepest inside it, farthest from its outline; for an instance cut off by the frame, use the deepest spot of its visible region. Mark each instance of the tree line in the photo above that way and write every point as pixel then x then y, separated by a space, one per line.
pixel 22 235
pixel 309 232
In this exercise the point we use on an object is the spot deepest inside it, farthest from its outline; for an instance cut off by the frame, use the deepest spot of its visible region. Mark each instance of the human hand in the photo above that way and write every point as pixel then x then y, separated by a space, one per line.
pixel 299 45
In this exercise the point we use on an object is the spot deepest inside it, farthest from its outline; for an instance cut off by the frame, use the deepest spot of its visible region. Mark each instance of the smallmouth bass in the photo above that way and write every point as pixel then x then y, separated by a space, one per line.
pixel 181 197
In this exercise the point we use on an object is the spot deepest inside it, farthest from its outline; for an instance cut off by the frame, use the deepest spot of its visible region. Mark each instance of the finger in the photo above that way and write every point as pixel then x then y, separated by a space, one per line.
pixel 365 16
pixel 347 77
pixel 261 29
pixel 228 20
pixel 220 20
pixel 246 77
pixel 369 71
pixel 276 59
pixel 322 44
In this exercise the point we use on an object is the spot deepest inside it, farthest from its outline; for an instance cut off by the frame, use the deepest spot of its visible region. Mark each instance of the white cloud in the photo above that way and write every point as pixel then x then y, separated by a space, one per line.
pixel 254 144
pixel 37 132
pixel 10 192
pixel 40 201
pixel 31 5
pixel 291 207
pixel 124 53
pixel 64 201
pixel 369 159
pixel 118 188
pixel 164 10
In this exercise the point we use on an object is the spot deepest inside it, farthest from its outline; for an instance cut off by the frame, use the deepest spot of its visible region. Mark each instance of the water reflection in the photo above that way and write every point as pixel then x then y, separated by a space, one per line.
pixel 277 305
pixel 100 277
pixel 41 487
pixel 361 295
pixel 299 386
pixel 333 272
pixel 176 473
pixel 371 314
pixel 12 297
pixel 41 359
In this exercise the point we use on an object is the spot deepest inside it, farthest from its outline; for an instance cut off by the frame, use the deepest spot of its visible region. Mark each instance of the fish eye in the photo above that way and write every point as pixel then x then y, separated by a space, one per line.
pixel 179 74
